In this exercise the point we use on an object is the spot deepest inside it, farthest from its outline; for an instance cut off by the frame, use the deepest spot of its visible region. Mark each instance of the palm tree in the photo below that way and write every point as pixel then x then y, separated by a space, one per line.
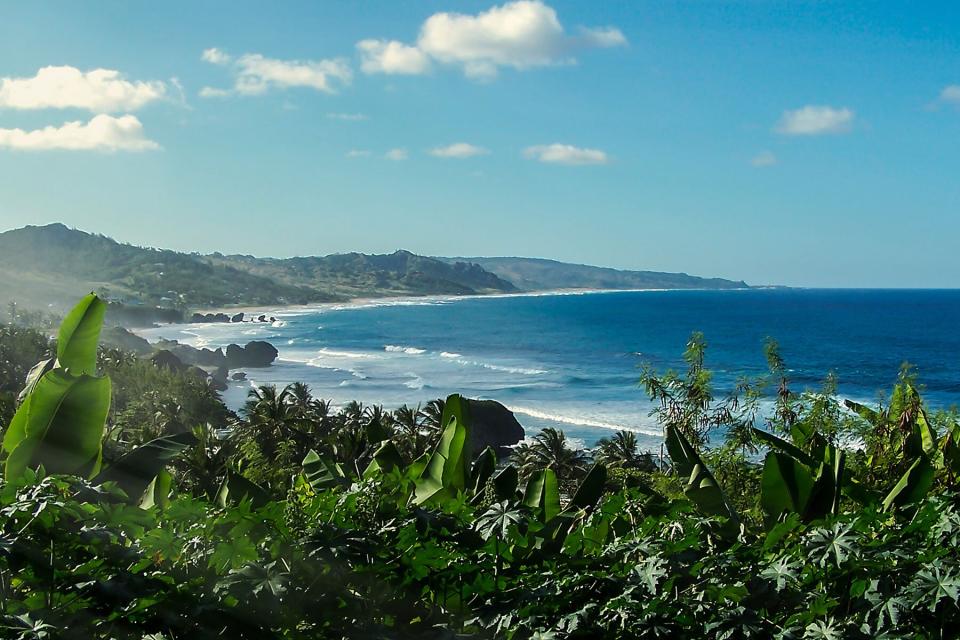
pixel 301 398
pixel 406 422
pixel 550 449
pixel 620 450
pixel 268 405
pixel 271 441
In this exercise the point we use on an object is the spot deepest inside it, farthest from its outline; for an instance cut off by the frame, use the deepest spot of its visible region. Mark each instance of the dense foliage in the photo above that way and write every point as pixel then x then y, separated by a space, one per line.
pixel 170 517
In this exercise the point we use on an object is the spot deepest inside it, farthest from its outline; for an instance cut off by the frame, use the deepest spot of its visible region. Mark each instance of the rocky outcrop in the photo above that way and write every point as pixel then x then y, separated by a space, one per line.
pixel 255 354
pixel 493 426
pixel 209 317
pixel 237 317
pixel 191 355
pixel 120 338
pixel 164 359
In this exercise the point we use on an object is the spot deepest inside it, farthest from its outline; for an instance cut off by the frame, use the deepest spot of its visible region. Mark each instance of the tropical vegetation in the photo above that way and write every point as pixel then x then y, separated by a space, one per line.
pixel 133 504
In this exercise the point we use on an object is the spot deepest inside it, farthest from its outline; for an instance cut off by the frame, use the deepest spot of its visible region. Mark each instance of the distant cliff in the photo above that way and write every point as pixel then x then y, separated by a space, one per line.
pixel 536 274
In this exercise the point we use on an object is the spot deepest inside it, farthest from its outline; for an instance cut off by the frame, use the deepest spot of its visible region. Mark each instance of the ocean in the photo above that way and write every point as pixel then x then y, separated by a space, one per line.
pixel 573 360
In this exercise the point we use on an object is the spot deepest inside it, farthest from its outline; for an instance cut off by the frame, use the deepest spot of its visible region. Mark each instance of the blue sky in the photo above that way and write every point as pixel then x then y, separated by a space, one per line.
pixel 810 144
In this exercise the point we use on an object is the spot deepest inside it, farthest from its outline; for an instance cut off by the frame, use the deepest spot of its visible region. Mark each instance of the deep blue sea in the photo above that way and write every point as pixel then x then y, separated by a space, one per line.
pixel 572 360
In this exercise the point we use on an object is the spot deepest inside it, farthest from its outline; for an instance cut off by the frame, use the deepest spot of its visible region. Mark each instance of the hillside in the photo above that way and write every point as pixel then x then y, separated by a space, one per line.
pixel 358 274
pixel 535 274
pixel 49 266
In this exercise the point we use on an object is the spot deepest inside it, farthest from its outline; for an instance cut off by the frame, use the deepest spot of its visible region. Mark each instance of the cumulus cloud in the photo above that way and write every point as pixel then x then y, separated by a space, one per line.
pixel 102 132
pixel 391 56
pixel 215 56
pixel 396 154
pixel 813 120
pixel 951 94
pixel 458 150
pixel 254 74
pixel 764 159
pixel 523 34
pixel 98 90
pixel 352 117
pixel 565 154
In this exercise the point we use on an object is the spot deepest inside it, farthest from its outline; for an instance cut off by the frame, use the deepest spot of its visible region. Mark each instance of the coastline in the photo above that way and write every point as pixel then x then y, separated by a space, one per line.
pixel 399 300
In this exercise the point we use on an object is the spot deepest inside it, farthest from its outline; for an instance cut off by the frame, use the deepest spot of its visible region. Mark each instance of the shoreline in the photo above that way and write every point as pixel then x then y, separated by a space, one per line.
pixel 399 300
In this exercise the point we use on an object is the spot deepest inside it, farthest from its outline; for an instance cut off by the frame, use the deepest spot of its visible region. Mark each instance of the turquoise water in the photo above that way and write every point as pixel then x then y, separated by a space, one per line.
pixel 572 361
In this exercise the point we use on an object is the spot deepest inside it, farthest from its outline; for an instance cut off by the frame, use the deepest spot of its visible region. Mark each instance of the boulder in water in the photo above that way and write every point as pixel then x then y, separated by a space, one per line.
pixel 493 426
pixel 255 354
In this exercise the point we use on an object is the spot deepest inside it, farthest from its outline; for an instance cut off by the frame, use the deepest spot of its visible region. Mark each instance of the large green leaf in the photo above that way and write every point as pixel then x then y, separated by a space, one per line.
pixel 385 459
pixel 913 485
pixel 134 471
pixel 543 494
pixel 785 486
pixel 865 412
pixel 33 377
pixel 789 448
pixel 924 435
pixel 505 483
pixel 235 488
pixel 481 470
pixel 157 492
pixel 591 487
pixel 700 486
pixel 455 406
pixel 446 472
pixel 79 335
pixel 322 473
pixel 59 425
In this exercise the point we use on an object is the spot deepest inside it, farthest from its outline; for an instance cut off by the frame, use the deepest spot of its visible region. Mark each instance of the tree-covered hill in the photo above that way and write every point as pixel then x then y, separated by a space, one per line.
pixel 359 274
pixel 44 267
pixel 47 265
pixel 534 274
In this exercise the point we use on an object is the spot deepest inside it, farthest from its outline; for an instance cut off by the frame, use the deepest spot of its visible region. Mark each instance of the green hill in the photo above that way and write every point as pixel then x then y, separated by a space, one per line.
pixel 537 274
pixel 49 266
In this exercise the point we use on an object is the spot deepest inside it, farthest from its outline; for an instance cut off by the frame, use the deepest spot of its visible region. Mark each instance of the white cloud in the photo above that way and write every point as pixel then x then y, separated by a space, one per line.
pixel 604 37
pixel 521 35
pixel 396 154
pixel 813 120
pixel 255 74
pixel 103 132
pixel 215 56
pixel 458 150
pixel 951 94
pixel 213 92
pixel 98 90
pixel 351 117
pixel 764 159
pixel 358 153
pixel 383 56
pixel 565 154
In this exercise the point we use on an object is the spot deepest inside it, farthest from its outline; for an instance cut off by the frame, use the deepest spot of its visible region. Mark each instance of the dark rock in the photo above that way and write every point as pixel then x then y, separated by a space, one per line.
pixel 164 359
pixel 262 319
pixel 255 354
pixel 197 371
pixel 239 376
pixel 209 317
pixel 237 318
pixel 493 426
pixel 192 355
pixel 218 379
pixel 120 338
